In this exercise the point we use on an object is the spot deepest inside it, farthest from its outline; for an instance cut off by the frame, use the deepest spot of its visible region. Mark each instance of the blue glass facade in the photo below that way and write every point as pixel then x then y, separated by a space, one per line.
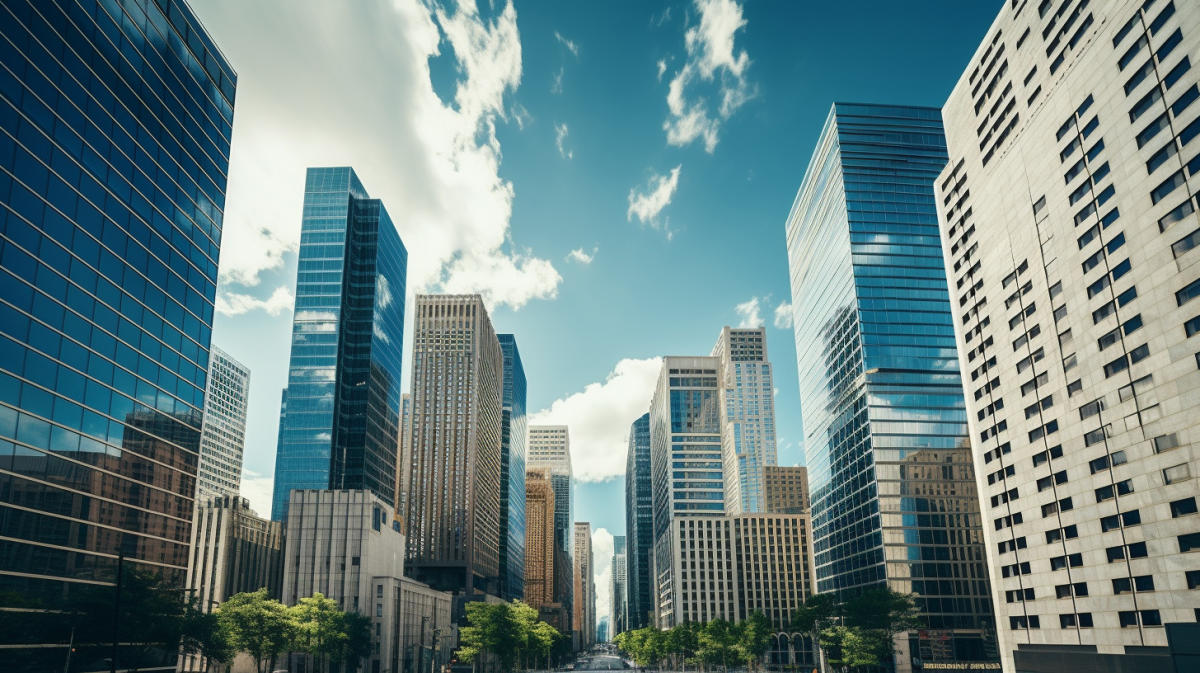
pixel 639 523
pixel 114 143
pixel 514 435
pixel 888 454
pixel 342 416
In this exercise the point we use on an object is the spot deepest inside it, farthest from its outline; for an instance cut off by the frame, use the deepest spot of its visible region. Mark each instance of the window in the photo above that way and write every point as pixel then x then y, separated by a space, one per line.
pixel 1177 473
pixel 1166 187
pixel 1193 579
pixel 1189 542
pixel 1183 245
pixel 1115 554
pixel 1188 293
pixel 1137 550
pixel 1128 618
pixel 1165 442
pixel 1183 507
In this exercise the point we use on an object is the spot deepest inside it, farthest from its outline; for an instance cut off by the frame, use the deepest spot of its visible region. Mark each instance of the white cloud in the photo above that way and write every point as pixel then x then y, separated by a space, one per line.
pixel 236 303
pixel 648 203
pixel 749 313
pixel 599 417
pixel 662 68
pixel 258 489
pixel 783 315
pixel 582 256
pixel 447 197
pixel 602 553
pixel 560 137
pixel 711 58
pixel 556 87
pixel 570 45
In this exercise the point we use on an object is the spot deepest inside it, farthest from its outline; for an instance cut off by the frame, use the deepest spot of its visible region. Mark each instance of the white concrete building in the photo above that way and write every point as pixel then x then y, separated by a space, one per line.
pixel 748 442
pixel 346 545
pixel 232 550
pixel 1068 217
pixel 223 435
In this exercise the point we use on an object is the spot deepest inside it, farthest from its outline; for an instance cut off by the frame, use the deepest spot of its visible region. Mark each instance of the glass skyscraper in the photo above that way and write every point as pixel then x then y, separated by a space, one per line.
pixel 893 490
pixel 685 463
pixel 747 416
pixel 514 434
pixel 341 423
pixel 114 143
pixel 639 522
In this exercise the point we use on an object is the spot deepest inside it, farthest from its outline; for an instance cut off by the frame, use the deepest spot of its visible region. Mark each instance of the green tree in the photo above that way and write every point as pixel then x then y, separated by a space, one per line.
pixel 683 642
pixel 320 628
pixel 859 631
pixel 718 642
pixel 491 628
pixel 355 640
pixel 257 625
pixel 754 639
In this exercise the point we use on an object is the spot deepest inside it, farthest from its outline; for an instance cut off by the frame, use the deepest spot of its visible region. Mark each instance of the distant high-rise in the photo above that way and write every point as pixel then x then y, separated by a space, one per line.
pixel 453 491
pixel 620 593
pixel 550 448
pixel 889 462
pixel 685 462
pixel 341 424
pixel 223 437
pixel 539 539
pixel 514 432
pixel 115 121
pixel 639 524
pixel 584 611
pixel 1068 213
pixel 747 416
pixel 785 489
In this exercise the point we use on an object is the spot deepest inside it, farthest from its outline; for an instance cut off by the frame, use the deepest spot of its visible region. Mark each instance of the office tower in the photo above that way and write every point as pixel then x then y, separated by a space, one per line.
pixel 785 489
pixel 602 631
pixel 110 227
pixel 685 463
pixel 232 550
pixel 747 416
pixel 223 435
pixel 454 463
pixel 584 615
pixel 514 431
pixel 550 448
pixel 1071 233
pixel 344 544
pixel 341 426
pixel 620 592
pixel 639 523
pixel 403 466
pixel 539 539
pixel 880 390
pixel 744 564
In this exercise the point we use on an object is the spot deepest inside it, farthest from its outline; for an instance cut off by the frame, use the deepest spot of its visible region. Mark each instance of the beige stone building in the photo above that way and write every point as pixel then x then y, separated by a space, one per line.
pixel 452 491
pixel 785 489
pixel 1068 216
pixel 584 608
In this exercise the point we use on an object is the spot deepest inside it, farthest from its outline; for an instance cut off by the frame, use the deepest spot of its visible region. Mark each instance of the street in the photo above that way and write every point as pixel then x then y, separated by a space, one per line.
pixel 600 662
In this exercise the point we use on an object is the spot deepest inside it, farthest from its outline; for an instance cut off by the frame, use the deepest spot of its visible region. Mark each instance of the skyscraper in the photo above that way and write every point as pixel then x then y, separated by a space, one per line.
pixel 584 610
pixel 785 489
pixel 639 523
pixel 514 433
pixel 341 424
pixel 110 227
pixel 1068 212
pixel 223 436
pixel 550 448
pixel 620 579
pixel 747 416
pixel 888 456
pixel 539 539
pixel 685 463
pixel 453 490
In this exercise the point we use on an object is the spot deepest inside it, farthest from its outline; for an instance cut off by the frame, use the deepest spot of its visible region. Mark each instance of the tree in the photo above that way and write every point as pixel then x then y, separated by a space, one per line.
pixel 491 628
pixel 718 642
pixel 355 640
pixel 754 639
pixel 205 635
pixel 319 627
pixel 258 625
pixel 859 631
pixel 683 641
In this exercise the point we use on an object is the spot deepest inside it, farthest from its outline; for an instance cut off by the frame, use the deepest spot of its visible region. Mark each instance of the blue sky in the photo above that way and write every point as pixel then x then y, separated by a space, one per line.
pixel 613 177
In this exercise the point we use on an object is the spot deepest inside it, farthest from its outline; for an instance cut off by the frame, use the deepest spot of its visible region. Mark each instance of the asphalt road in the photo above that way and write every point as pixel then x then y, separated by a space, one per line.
pixel 601 662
